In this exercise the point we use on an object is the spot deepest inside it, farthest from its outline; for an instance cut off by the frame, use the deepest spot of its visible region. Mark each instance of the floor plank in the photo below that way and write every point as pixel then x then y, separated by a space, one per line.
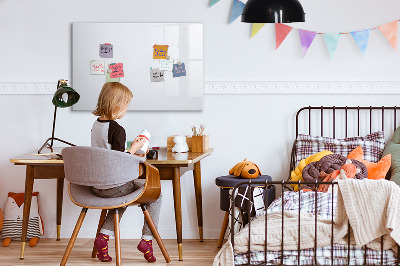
pixel 50 252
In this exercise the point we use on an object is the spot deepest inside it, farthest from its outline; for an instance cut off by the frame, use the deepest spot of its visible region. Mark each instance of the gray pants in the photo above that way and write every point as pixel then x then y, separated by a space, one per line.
pixel 154 208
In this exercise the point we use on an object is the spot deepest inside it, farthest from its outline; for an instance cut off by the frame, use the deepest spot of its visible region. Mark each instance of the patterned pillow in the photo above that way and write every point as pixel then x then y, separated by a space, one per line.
pixel 372 144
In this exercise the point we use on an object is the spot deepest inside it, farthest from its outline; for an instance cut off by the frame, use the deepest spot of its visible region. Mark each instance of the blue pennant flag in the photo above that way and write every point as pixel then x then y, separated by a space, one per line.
pixel 213 2
pixel 361 37
pixel 237 9
pixel 332 41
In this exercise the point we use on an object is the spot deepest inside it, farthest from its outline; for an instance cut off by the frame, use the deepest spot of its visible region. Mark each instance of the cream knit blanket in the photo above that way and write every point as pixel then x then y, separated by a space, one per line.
pixel 373 208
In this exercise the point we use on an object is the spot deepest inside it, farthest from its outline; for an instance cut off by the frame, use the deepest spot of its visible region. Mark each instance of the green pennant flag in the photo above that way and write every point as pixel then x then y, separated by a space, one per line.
pixel 213 2
pixel 332 41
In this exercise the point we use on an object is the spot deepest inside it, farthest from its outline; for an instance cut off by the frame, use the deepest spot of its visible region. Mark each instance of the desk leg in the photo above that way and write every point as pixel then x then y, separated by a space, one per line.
pixel 60 190
pixel 197 189
pixel 27 206
pixel 176 182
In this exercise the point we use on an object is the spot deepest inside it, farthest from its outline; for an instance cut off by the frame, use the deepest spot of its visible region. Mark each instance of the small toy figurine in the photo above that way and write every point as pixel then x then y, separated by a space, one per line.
pixel 180 144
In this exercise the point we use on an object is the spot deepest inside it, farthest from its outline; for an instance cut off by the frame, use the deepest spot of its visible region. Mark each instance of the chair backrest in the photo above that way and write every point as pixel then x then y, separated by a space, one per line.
pixel 92 166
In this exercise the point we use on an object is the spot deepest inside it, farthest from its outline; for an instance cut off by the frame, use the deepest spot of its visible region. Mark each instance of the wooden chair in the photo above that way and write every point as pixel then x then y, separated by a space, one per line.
pixel 85 167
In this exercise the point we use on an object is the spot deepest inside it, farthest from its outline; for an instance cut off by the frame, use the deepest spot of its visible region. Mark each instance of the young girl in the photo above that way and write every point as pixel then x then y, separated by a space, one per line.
pixel 112 104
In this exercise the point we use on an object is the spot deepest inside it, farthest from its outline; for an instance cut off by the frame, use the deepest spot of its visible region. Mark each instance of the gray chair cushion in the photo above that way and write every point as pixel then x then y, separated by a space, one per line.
pixel 84 196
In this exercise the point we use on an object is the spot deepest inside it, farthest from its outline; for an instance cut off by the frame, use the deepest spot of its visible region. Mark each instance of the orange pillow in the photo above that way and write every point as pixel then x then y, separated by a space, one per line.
pixel 375 170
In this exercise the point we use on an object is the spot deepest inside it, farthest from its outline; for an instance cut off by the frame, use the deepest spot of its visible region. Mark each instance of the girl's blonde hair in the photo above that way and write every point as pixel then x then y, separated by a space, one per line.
pixel 113 98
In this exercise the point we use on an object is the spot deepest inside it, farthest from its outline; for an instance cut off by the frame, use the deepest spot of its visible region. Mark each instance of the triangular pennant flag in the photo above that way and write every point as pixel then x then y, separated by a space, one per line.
pixel 389 30
pixel 306 39
pixel 281 31
pixel 332 41
pixel 255 28
pixel 237 9
pixel 213 2
pixel 361 37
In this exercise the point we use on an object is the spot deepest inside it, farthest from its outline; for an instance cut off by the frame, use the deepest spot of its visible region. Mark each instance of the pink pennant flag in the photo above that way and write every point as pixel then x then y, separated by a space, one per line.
pixel 389 30
pixel 281 31
pixel 306 39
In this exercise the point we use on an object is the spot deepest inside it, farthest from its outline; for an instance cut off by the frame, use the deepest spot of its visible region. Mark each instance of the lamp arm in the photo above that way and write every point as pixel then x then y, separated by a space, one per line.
pixel 54 126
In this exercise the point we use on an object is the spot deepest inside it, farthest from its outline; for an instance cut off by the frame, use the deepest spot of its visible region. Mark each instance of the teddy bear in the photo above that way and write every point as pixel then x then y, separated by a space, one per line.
pixel 13 215
pixel 180 144
pixel 245 169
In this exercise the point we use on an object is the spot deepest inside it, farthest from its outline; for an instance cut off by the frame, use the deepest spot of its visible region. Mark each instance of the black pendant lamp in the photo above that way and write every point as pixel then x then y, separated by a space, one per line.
pixel 273 11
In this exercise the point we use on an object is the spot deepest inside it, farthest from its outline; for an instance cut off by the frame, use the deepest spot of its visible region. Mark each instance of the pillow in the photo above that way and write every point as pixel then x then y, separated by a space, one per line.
pixel 372 144
pixel 375 170
pixel 393 148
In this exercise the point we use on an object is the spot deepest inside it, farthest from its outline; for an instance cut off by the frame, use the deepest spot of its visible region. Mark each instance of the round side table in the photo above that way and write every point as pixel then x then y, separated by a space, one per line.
pixel 228 182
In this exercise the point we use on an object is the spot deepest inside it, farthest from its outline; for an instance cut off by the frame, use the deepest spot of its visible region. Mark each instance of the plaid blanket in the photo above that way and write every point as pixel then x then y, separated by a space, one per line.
pixel 323 205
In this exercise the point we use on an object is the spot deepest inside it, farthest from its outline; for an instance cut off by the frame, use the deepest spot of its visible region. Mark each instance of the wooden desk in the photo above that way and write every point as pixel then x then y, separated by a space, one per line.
pixel 171 167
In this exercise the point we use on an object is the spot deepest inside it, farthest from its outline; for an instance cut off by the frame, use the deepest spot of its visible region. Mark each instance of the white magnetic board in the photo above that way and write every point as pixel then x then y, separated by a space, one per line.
pixel 133 46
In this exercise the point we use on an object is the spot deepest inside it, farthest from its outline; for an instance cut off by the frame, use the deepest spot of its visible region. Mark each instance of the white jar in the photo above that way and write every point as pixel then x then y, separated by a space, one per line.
pixel 144 134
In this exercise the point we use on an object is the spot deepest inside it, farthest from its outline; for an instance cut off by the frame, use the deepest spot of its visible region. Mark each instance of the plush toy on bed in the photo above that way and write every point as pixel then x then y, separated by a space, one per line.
pixel 245 169
pixel 13 215
pixel 348 170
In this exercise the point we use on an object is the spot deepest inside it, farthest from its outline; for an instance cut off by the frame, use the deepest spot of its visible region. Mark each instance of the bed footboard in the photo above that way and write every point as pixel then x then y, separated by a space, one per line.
pixel 383 258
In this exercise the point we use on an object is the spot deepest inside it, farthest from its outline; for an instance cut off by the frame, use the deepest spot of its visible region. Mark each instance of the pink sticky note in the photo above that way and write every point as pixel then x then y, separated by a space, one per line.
pixel 117 70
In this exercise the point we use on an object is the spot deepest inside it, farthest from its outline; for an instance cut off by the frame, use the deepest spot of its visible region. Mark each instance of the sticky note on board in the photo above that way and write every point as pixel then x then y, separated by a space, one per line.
pixel 166 64
pixel 179 70
pixel 106 50
pixel 160 51
pixel 110 79
pixel 117 70
pixel 97 67
pixel 156 75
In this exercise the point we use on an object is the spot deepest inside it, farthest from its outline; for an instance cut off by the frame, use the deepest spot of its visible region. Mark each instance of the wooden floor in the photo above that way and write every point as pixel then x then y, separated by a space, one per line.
pixel 50 252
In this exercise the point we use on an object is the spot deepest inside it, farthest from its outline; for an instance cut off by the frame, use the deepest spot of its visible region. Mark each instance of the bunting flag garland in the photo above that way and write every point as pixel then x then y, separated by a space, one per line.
pixel 361 37
pixel 281 31
pixel 237 8
pixel 213 2
pixel 389 30
pixel 332 41
pixel 306 39
pixel 256 27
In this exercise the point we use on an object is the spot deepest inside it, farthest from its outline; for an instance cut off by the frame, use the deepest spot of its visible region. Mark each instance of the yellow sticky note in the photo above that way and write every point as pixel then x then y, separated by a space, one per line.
pixel 160 51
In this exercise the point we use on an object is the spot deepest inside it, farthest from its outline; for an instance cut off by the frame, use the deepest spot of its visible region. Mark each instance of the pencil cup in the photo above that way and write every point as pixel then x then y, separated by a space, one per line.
pixel 200 143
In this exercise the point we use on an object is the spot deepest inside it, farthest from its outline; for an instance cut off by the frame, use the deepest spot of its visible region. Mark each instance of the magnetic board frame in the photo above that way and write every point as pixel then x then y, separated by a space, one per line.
pixel 133 46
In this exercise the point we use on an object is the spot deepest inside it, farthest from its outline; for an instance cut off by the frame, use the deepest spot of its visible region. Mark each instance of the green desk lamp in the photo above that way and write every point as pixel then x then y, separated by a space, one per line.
pixel 65 96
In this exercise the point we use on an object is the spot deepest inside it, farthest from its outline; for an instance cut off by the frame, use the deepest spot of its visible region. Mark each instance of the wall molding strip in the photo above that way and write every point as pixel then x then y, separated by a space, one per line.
pixel 246 87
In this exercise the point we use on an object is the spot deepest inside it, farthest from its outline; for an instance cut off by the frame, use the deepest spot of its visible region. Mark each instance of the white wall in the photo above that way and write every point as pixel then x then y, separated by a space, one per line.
pixel 35 44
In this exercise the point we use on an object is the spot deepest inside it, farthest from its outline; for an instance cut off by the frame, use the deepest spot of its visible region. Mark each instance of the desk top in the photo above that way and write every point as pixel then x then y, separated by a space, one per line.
pixel 164 157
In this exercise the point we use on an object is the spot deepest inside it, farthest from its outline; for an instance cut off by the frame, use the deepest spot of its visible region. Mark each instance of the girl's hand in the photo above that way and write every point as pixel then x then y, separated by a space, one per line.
pixel 137 144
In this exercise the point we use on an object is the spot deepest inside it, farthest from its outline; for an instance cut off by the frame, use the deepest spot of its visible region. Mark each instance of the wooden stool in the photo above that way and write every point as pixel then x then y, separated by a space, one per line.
pixel 226 183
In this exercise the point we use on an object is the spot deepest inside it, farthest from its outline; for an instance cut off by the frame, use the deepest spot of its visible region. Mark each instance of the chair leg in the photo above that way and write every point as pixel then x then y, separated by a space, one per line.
pixel 223 229
pixel 101 222
pixel 73 237
pixel 117 239
pixel 154 230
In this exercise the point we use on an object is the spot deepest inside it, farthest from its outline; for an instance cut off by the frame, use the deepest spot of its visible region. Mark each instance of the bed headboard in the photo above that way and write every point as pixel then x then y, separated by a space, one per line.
pixel 344 121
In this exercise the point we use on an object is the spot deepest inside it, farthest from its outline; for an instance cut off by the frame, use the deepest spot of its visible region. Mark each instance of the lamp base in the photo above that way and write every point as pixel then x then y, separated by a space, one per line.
pixel 50 146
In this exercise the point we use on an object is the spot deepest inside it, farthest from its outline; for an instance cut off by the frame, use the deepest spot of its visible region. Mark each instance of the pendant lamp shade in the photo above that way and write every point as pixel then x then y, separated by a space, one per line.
pixel 273 11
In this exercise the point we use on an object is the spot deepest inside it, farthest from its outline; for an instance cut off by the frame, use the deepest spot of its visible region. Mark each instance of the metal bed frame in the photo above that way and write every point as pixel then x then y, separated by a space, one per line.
pixel 284 183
